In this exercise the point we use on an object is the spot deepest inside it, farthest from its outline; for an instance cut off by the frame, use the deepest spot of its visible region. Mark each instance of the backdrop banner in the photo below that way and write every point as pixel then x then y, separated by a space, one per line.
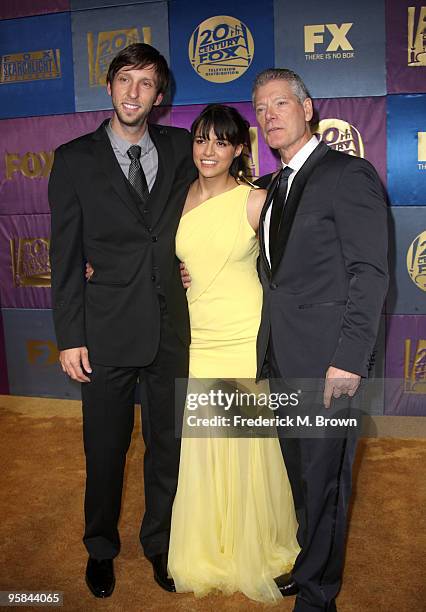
pixel 32 356
pixel 406 45
pixel 27 151
pixel 405 389
pixel 78 5
pixel 98 35
pixel 36 74
pixel 217 48
pixel 338 48
pixel 9 9
pixel 406 145
pixel 356 126
pixel 4 382
pixel 26 157
pixel 261 161
pixel 407 249
pixel 24 261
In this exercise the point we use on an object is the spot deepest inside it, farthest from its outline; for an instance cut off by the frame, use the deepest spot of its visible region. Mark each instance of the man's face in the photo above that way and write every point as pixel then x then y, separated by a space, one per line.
pixel 134 93
pixel 282 117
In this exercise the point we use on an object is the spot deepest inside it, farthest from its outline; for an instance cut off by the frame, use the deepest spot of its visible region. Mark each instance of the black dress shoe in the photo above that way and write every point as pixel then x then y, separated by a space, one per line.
pixel 286 585
pixel 161 577
pixel 100 577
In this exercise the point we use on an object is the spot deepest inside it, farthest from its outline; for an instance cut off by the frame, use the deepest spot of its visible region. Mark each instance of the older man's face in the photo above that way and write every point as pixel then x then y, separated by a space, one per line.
pixel 284 120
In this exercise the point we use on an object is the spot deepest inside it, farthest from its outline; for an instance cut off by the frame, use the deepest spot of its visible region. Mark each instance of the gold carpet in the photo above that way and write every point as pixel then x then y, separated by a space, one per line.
pixel 41 510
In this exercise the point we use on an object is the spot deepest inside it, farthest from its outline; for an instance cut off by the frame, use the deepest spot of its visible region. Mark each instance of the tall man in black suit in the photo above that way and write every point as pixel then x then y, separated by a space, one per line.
pixel 323 267
pixel 116 198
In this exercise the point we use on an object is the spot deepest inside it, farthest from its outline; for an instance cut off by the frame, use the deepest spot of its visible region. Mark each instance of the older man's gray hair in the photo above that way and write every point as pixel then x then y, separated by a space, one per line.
pixel 282 74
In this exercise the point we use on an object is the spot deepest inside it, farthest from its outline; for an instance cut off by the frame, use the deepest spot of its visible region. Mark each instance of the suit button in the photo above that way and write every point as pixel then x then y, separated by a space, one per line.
pixel 153 278
pixel 273 286
pixel 146 211
pixel 154 239
pixel 150 229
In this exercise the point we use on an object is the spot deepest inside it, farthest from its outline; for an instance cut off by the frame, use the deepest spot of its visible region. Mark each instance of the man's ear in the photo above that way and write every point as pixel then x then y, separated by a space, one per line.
pixel 309 109
pixel 159 99
pixel 109 88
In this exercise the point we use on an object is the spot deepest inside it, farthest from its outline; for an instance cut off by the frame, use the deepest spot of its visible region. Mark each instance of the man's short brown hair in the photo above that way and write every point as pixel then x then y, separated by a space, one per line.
pixel 138 56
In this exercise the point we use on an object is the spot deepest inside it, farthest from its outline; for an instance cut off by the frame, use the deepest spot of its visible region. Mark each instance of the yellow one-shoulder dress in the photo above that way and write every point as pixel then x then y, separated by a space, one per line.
pixel 233 521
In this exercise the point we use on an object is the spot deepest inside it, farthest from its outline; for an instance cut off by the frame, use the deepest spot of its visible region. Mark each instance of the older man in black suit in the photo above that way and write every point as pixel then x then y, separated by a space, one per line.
pixel 323 267
pixel 116 198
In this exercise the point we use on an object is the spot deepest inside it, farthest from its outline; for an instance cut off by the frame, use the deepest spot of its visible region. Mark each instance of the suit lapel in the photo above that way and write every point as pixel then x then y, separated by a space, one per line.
pixel 106 159
pixel 293 200
pixel 165 174
pixel 270 183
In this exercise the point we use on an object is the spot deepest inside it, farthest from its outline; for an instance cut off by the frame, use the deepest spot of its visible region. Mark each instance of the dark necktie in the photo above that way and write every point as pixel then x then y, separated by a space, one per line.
pixel 277 208
pixel 136 174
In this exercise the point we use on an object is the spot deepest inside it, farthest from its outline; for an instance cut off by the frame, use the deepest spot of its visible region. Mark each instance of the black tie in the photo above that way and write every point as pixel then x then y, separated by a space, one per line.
pixel 136 174
pixel 277 208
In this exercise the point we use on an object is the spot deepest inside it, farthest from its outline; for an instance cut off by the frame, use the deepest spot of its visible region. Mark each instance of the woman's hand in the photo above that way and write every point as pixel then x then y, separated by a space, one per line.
pixel 184 275
pixel 89 271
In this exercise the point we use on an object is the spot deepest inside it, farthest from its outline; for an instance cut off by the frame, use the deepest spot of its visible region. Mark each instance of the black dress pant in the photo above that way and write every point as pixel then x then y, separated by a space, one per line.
pixel 108 418
pixel 320 474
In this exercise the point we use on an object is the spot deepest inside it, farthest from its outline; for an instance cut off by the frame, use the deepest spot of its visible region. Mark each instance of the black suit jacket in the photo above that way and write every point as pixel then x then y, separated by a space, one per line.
pixel 98 217
pixel 324 295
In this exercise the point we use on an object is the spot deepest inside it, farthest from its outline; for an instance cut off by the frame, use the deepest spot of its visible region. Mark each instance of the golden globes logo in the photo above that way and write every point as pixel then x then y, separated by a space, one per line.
pixel 415 366
pixel 102 47
pixel 340 136
pixel 221 49
pixel 30 262
pixel 30 66
pixel 416 261
pixel 30 165
pixel 332 34
pixel 42 352
pixel 416 36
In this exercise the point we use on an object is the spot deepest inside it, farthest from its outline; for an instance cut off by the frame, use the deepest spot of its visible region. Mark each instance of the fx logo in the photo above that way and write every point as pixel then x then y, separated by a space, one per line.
pixel 314 35
pixel 421 146
pixel 42 352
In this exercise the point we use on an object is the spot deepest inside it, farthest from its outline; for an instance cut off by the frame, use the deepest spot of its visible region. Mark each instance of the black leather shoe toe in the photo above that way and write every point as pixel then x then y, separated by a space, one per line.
pixel 161 577
pixel 100 577
pixel 286 585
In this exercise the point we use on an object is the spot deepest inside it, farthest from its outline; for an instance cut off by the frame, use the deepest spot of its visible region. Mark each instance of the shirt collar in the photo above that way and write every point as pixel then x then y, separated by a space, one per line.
pixel 123 145
pixel 297 161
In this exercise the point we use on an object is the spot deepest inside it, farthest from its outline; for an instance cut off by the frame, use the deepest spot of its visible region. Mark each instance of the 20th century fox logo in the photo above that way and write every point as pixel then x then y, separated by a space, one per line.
pixel 328 41
pixel 416 30
pixel 30 262
pixel 102 47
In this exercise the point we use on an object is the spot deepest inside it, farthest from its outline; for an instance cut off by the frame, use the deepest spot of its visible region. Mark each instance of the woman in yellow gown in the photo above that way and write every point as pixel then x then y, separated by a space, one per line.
pixel 233 522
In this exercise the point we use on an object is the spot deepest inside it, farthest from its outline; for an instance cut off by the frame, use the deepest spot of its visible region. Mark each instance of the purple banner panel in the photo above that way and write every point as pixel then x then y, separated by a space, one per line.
pixel 10 9
pixel 405 388
pixel 26 154
pixel 406 46
pixel 24 261
pixel 356 126
pixel 4 383
pixel 261 160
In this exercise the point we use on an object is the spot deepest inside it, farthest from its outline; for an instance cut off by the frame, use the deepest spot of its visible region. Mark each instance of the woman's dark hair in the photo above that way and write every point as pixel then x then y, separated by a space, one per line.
pixel 138 56
pixel 227 124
